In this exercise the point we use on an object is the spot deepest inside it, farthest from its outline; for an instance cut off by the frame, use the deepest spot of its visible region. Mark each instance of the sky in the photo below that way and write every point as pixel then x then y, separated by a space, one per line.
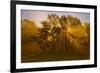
pixel 39 16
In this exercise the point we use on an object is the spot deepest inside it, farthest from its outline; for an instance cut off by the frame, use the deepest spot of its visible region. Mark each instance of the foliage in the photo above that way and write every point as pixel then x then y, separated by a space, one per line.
pixel 28 29
pixel 65 33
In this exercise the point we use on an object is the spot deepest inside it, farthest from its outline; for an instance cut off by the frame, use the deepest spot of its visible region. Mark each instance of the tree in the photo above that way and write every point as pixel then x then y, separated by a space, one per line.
pixel 63 22
pixel 53 19
pixel 55 31
pixel 87 26
pixel 73 20
pixel 28 29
